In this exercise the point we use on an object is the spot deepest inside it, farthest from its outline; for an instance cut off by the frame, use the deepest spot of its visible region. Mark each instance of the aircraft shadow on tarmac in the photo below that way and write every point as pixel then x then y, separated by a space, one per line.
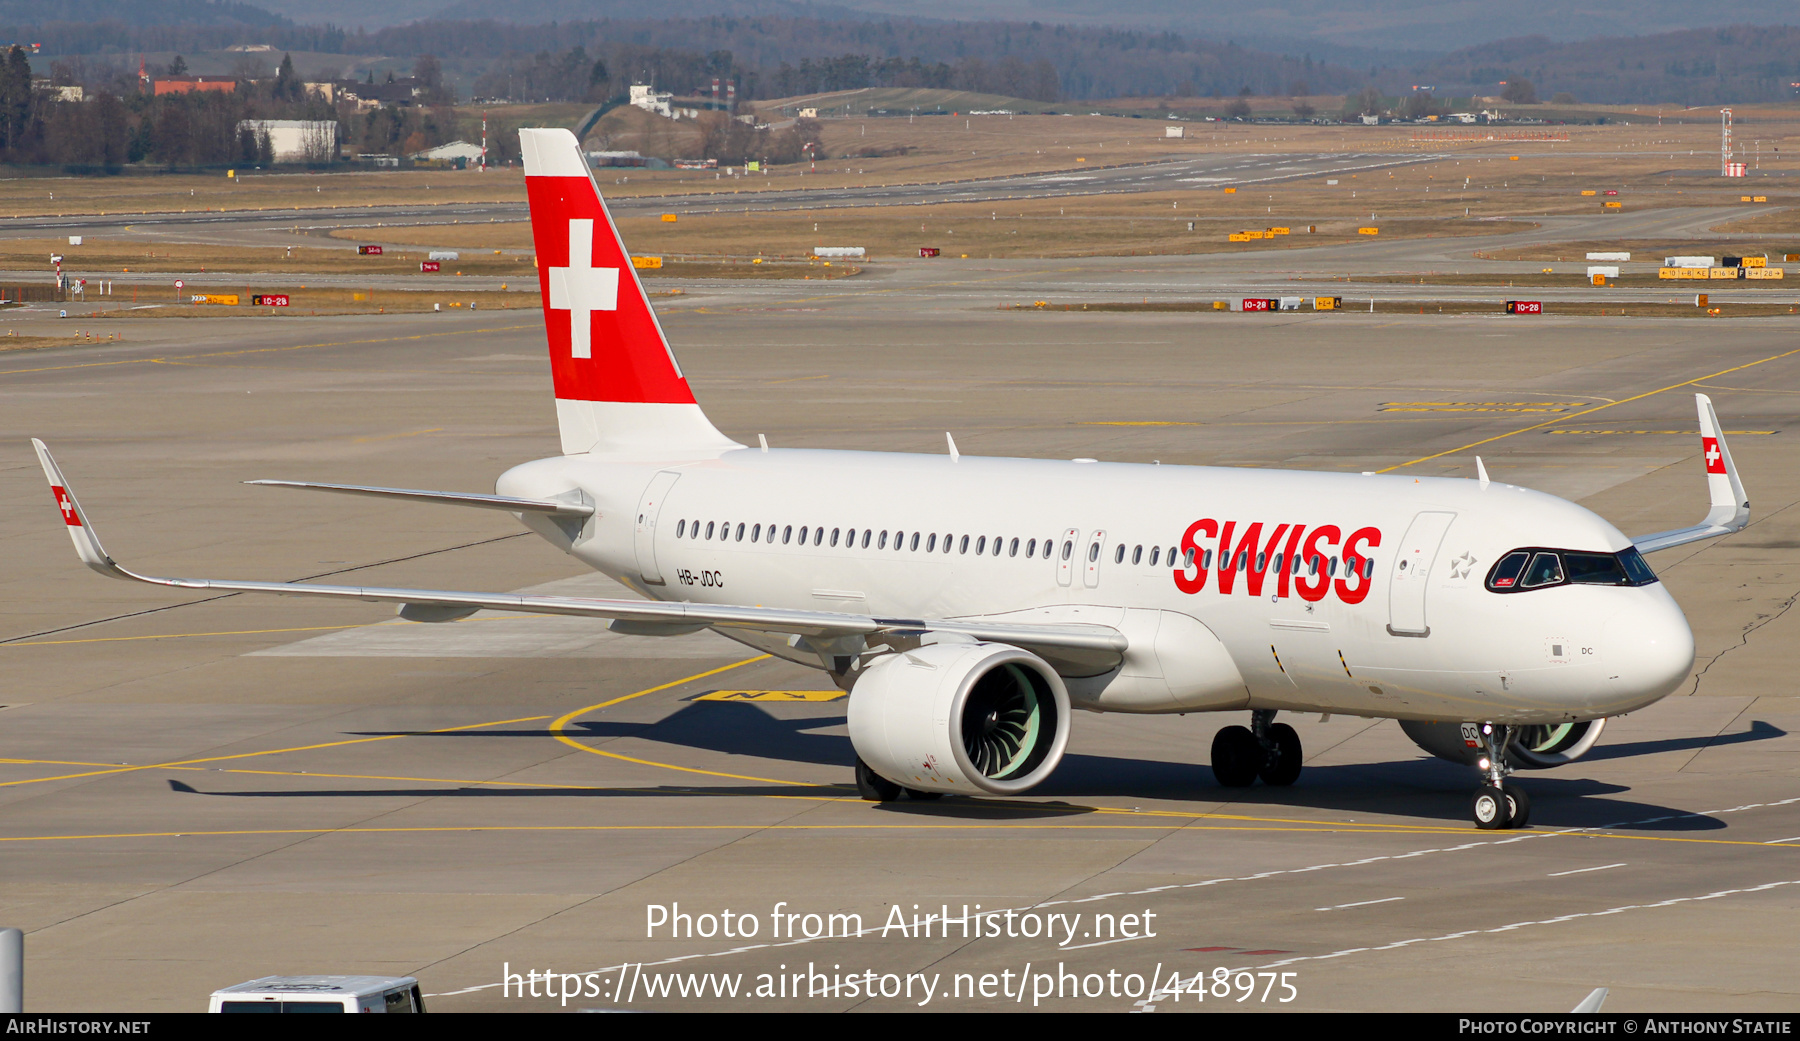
pixel 1423 787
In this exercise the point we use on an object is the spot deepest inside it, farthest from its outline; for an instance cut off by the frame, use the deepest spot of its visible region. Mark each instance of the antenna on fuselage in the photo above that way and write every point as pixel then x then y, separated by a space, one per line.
pixel 951 441
pixel 763 440
pixel 1481 473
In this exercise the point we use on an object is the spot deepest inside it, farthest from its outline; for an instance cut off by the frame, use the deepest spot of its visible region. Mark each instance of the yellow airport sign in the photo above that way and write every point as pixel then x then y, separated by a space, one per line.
pixel 771 695
pixel 215 298
pixel 1615 205
pixel 1590 192
pixel 1368 231
pixel 1278 231
pixel 1682 272
pixel 1231 191
pixel 668 218
pixel 646 262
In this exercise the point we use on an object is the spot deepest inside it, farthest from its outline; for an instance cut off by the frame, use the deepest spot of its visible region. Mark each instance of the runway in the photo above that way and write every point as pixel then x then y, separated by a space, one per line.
pixel 1193 173
pixel 197 790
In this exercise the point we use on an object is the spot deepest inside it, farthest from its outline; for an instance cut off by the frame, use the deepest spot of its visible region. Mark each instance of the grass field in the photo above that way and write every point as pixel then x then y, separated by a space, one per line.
pixel 1151 223
pixel 948 148
pixel 1593 308
pixel 1650 167
pixel 337 301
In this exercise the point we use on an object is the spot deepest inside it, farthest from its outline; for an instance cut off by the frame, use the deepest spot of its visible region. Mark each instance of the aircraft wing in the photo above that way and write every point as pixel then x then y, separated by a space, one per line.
pixel 552 507
pixel 1088 646
pixel 1730 509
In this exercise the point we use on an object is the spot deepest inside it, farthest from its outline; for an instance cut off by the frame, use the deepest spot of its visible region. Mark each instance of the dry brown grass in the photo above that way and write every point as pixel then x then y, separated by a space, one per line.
pixel 1149 223
pixel 106 256
pixel 14 342
pixel 1649 250
pixel 1785 223
pixel 1538 280
pixel 943 148
pixel 1593 308
pixel 333 301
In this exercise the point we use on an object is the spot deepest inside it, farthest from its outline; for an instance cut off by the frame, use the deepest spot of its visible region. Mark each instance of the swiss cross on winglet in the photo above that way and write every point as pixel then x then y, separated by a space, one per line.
pixel 1715 459
pixel 67 505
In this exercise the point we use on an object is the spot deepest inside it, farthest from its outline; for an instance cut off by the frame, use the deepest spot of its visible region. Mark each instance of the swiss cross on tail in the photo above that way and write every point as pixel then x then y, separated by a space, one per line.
pixel 605 343
pixel 1715 459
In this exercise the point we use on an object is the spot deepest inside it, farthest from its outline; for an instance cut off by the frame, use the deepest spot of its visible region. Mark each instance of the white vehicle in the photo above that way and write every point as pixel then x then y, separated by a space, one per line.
pixel 968 604
pixel 321 994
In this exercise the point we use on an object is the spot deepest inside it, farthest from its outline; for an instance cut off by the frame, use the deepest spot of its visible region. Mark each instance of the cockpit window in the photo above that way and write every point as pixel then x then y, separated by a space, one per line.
pixel 1524 569
pixel 1506 573
pixel 1596 569
pixel 1637 567
pixel 1545 570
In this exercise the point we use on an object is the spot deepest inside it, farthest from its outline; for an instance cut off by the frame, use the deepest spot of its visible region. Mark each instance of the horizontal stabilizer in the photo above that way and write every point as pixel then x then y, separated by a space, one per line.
pixel 1729 511
pixel 552 507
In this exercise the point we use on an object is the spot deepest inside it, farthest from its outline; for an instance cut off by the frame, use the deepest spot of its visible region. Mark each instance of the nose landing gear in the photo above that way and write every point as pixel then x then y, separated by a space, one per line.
pixel 1498 803
pixel 1265 749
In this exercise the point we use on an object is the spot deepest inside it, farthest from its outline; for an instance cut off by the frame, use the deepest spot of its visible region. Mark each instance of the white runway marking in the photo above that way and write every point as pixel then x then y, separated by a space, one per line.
pixel 1361 903
pixel 1559 919
pixel 1582 870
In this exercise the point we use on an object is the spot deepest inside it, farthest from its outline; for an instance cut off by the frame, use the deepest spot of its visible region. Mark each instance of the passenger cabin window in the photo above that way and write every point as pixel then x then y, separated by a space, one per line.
pixel 787 534
pixel 914 544
pixel 680 528
pixel 1013 550
pixel 1526 569
pixel 1068 550
pixel 709 529
pixel 1155 555
pixel 980 544
pixel 1137 554
pixel 756 533
pixel 1119 554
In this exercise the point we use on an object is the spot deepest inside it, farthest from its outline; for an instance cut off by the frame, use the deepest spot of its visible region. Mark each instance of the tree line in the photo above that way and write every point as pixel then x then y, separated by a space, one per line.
pixel 118 123
pixel 1086 62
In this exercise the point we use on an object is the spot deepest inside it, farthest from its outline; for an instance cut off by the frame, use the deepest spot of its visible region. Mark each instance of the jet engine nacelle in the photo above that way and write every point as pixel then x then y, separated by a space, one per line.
pixel 1539 747
pixel 960 717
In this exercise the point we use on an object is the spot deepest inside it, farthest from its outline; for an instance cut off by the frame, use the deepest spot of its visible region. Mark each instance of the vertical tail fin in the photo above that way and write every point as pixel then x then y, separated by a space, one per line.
pixel 618 386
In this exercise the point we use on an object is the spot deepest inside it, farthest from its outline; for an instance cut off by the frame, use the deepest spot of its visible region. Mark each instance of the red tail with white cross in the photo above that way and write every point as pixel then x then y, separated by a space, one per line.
pixel 618 386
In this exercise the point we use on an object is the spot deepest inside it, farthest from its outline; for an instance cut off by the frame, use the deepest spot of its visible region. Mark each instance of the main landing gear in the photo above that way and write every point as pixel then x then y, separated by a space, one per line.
pixel 1498 803
pixel 1265 749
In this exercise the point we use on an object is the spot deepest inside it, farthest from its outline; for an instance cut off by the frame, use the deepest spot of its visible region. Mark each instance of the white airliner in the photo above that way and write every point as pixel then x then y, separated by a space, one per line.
pixel 969 604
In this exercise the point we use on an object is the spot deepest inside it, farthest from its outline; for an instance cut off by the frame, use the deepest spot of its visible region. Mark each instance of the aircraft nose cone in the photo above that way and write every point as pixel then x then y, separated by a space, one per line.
pixel 1649 647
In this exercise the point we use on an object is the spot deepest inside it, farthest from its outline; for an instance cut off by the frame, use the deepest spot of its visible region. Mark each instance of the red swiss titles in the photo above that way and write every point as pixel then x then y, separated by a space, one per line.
pixel 1264 554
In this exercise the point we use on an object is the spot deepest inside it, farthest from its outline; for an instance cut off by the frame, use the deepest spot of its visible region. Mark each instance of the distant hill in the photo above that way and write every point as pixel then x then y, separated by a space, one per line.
pixel 1292 26
pixel 1693 67
pixel 138 12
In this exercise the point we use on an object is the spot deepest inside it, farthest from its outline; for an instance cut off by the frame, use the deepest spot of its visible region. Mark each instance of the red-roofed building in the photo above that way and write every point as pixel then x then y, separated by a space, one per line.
pixel 189 84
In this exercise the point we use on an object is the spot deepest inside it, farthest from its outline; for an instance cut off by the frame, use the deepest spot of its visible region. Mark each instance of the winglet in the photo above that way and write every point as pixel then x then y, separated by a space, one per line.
pixel 1729 509
pixel 87 544
pixel 1592 1002
pixel 1730 505
pixel 1481 472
